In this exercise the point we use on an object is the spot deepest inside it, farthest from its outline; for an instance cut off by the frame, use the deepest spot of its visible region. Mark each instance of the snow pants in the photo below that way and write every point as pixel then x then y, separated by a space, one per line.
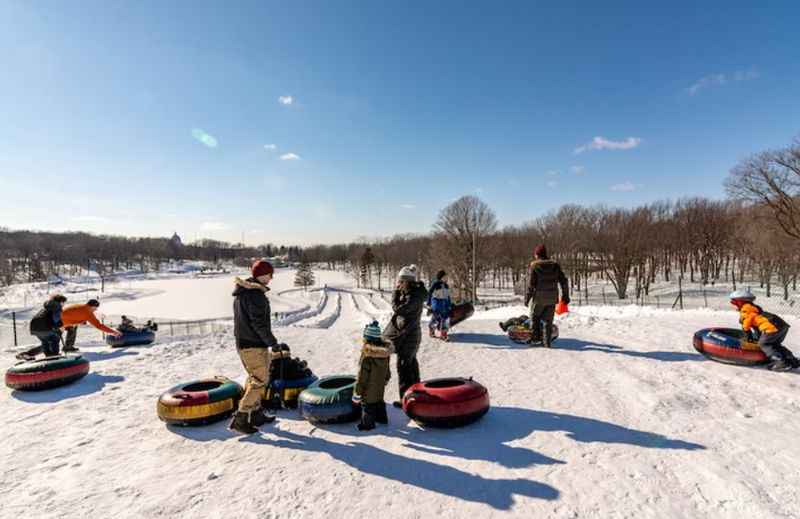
pixel 256 363
pixel 439 321
pixel 407 368
pixel 72 334
pixel 772 345
pixel 50 343
pixel 541 314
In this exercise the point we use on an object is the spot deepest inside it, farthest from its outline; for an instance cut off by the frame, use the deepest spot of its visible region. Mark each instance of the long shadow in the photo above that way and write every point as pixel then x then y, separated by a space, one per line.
pixel 664 356
pixel 497 493
pixel 91 383
pixel 214 432
pixel 99 356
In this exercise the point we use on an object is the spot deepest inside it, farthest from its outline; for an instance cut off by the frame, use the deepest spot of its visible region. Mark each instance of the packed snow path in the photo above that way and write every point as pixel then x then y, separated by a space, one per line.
pixel 621 419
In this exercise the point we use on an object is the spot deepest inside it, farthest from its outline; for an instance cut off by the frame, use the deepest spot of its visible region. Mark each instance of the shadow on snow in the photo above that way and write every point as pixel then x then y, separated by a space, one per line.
pixel 91 383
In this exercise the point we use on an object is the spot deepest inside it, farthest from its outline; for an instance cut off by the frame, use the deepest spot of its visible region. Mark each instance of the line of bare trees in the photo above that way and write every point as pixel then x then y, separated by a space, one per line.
pixel 27 256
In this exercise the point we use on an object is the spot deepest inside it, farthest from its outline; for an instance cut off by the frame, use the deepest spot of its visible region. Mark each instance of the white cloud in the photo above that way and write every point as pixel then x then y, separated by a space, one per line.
pixel 270 147
pixel 552 184
pixel 601 143
pixel 214 226
pixel 578 170
pixel 286 100
pixel 290 156
pixel 625 186
pixel 408 206
pixel 713 80
pixel 552 173
pixel 91 219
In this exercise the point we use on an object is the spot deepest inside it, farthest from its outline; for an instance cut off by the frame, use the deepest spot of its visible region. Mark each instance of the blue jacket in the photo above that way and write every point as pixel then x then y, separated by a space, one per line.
pixel 439 298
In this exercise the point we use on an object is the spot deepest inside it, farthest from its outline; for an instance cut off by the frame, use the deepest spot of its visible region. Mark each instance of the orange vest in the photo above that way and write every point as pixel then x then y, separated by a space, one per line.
pixel 750 316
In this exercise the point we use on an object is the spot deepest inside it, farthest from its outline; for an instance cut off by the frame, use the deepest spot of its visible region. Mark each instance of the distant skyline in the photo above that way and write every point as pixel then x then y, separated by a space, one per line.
pixel 320 122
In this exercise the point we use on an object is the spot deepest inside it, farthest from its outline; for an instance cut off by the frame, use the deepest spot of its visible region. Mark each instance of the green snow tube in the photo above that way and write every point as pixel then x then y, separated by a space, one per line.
pixel 330 400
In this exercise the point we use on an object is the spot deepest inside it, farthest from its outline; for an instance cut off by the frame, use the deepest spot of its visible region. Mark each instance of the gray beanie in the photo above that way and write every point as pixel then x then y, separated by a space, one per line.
pixel 408 273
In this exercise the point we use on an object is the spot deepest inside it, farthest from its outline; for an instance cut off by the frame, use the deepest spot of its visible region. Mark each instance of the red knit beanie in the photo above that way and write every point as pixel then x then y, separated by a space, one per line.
pixel 262 268
pixel 540 251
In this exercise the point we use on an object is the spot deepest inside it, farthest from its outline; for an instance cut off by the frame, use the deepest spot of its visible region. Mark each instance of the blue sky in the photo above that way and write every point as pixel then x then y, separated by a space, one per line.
pixel 141 118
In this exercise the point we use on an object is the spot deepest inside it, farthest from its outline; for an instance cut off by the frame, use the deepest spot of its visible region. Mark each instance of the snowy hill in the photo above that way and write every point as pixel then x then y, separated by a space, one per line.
pixel 621 419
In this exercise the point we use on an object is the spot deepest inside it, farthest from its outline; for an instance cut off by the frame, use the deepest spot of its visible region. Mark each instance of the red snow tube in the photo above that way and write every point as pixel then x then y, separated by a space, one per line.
pixel 446 402
pixel 728 345
pixel 47 373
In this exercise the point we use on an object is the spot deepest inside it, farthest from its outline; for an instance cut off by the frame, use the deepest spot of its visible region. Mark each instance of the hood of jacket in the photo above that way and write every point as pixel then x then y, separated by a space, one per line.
pixel 242 285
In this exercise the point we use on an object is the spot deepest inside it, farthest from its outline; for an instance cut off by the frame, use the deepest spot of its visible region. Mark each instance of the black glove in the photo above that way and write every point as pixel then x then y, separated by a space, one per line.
pixel 751 335
pixel 565 299
pixel 281 346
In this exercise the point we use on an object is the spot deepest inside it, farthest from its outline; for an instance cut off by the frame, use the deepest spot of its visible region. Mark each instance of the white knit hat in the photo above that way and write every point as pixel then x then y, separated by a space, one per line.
pixel 409 273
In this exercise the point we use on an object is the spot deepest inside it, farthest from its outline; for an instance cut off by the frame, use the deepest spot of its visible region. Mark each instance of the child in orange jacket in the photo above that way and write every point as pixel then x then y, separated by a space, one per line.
pixel 769 329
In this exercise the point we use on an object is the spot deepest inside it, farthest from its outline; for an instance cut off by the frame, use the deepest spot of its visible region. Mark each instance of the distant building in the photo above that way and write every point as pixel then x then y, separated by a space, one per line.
pixel 176 241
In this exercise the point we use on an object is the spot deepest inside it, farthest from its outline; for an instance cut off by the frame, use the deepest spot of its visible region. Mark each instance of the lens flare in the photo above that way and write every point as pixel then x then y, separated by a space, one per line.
pixel 204 138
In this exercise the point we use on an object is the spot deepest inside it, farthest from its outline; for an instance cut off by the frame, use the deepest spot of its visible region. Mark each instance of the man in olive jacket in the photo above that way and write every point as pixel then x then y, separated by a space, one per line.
pixel 545 276
pixel 254 342
pixel 403 330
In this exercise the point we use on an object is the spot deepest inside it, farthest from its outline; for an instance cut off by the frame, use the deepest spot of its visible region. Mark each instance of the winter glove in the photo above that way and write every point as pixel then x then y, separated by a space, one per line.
pixel 281 346
pixel 752 336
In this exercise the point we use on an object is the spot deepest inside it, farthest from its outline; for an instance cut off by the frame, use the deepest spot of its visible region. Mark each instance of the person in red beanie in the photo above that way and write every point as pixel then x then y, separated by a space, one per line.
pixel 544 278
pixel 252 328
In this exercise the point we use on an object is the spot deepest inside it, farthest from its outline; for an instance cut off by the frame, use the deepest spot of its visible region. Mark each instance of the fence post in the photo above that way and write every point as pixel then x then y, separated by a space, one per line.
pixel 705 299
pixel 14 324
pixel 171 331
pixel 604 296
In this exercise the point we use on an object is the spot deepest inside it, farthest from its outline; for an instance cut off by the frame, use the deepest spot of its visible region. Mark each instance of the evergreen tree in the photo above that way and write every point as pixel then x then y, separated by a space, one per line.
pixel 304 277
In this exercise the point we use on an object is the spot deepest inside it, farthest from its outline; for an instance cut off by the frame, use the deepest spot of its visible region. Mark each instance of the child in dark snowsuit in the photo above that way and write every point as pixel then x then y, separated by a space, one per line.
pixel 522 320
pixel 373 375
pixel 769 329
pixel 440 305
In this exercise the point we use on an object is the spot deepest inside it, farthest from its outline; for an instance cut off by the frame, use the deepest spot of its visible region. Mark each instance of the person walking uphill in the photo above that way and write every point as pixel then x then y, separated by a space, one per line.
pixel 46 324
pixel 403 330
pixel 254 342
pixel 545 277
pixel 440 305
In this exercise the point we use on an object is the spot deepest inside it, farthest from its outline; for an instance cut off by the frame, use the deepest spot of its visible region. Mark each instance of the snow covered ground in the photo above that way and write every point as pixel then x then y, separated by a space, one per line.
pixel 621 419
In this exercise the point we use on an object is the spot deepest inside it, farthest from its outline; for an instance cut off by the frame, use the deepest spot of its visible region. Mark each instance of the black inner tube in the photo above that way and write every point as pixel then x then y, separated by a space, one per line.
pixel 205 385
pixel 336 383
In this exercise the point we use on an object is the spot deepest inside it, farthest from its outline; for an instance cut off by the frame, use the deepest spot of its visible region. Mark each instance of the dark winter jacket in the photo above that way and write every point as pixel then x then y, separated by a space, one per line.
pixel 545 276
pixel 251 315
pixel 439 298
pixel 48 319
pixel 403 329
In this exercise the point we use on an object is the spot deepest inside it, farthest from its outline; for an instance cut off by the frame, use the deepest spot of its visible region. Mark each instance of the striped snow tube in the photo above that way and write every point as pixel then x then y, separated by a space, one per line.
pixel 446 402
pixel 290 389
pixel 522 334
pixel 461 312
pixel 728 345
pixel 47 373
pixel 199 402
pixel 330 400
pixel 137 338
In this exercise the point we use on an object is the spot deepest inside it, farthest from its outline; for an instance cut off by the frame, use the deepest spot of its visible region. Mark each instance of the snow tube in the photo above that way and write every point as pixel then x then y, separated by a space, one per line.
pixel 46 373
pixel 330 400
pixel 291 389
pixel 446 402
pixel 199 402
pixel 461 312
pixel 522 334
pixel 137 338
pixel 728 345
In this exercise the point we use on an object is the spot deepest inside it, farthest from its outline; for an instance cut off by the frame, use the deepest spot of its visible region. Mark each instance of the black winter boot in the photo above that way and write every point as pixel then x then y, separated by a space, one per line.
pixel 380 413
pixel 367 418
pixel 503 326
pixel 780 364
pixel 547 340
pixel 259 418
pixel 241 423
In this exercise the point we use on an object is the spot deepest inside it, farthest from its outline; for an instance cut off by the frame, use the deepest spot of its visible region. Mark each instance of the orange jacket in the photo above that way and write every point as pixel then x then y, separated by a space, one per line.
pixel 74 315
pixel 750 316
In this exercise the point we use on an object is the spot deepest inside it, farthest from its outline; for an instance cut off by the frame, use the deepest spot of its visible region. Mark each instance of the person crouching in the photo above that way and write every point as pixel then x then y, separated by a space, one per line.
pixel 373 375
pixel 767 328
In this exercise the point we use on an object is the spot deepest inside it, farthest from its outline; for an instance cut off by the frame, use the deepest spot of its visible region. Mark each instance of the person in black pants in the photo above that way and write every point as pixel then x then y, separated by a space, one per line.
pixel 403 330
pixel 544 279
pixel 46 324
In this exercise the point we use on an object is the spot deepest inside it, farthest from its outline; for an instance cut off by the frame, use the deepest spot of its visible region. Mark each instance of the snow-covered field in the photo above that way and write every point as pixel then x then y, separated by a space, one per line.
pixel 621 419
